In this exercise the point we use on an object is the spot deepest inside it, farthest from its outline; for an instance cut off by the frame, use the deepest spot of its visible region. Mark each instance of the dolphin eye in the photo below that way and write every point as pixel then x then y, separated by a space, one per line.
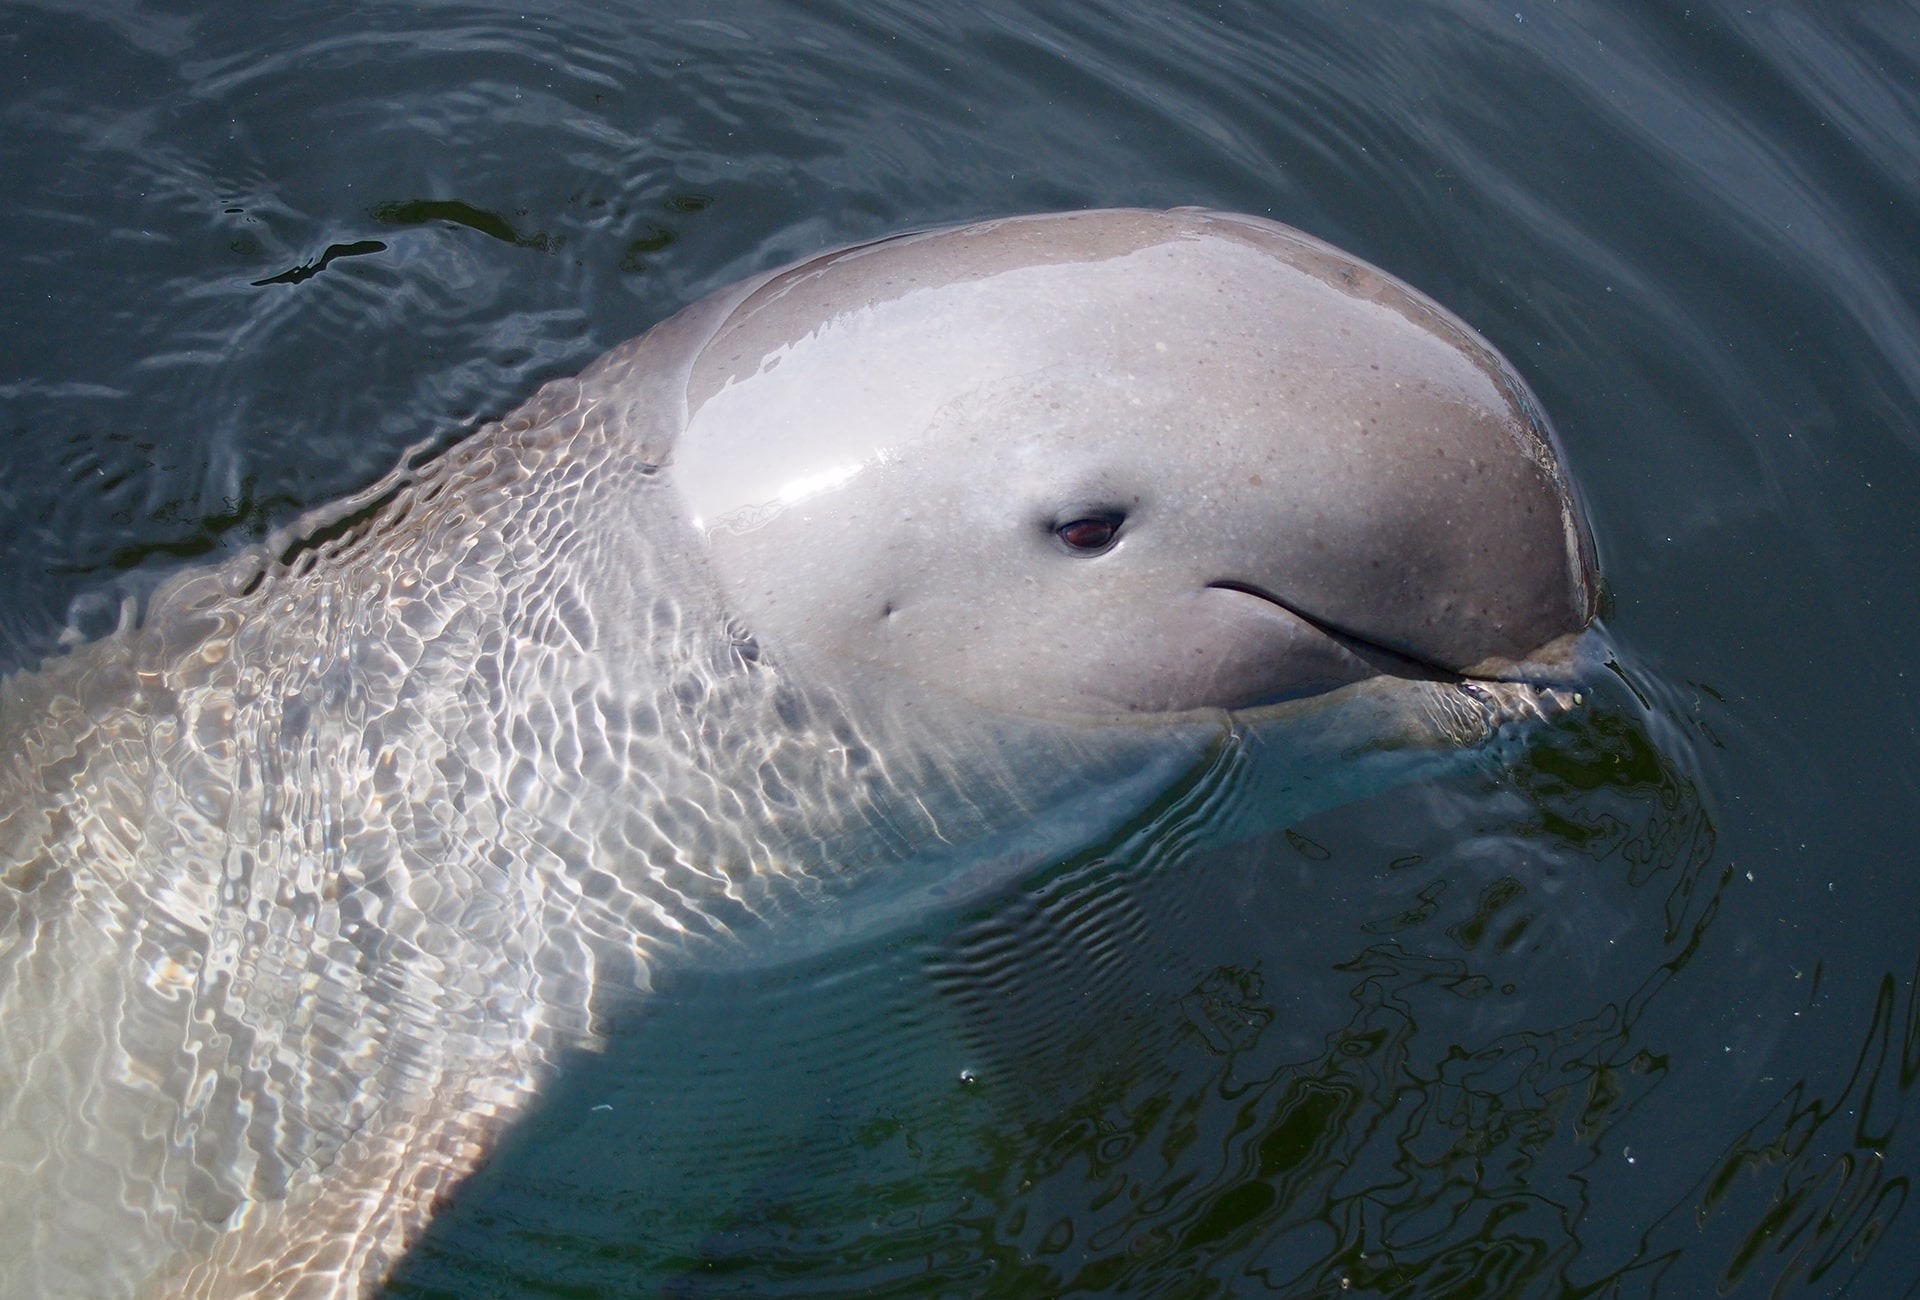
pixel 1086 536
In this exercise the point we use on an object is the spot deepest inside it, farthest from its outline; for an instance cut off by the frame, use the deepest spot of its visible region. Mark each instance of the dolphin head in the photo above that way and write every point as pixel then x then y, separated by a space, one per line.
pixel 1125 462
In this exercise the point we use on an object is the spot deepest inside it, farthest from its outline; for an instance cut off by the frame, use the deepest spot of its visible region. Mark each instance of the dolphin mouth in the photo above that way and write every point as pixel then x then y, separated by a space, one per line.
pixel 1549 679
pixel 1390 661
pixel 1464 706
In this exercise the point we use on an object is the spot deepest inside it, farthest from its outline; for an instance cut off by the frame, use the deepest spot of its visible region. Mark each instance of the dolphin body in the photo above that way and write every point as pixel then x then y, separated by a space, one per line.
pixel 858 587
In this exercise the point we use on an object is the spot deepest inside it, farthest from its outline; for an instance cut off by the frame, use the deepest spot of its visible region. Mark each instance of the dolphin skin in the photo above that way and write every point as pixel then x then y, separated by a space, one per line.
pixel 869 583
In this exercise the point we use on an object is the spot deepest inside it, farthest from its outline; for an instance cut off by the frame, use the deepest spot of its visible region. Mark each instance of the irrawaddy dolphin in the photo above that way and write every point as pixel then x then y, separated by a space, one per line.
pixel 854 586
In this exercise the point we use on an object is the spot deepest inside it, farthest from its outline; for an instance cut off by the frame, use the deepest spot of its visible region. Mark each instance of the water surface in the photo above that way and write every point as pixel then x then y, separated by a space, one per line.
pixel 1633 1013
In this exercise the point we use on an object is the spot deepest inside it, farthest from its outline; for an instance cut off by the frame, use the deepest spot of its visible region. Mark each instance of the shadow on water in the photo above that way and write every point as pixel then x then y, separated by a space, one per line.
pixel 1388 1051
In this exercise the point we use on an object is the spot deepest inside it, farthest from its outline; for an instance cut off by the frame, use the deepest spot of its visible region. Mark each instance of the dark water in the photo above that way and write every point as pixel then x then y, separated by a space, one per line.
pixel 1632 1014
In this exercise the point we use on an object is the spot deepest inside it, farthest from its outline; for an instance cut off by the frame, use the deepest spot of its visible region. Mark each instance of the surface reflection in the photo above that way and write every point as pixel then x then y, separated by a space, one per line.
pixel 1391 1051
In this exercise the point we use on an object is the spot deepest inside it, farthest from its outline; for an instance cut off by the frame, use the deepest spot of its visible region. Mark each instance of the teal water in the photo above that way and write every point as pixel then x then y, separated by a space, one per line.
pixel 1631 1013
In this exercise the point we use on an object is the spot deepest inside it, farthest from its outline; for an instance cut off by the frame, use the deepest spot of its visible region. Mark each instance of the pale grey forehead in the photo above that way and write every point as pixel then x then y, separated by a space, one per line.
pixel 1210 250
pixel 855 355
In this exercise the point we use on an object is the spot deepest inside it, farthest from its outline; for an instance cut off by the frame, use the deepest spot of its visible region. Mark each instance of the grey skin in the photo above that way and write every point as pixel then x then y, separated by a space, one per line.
pixel 854 588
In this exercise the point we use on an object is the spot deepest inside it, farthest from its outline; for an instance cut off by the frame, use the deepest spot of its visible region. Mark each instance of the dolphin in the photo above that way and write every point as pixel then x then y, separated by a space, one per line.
pixel 861 586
